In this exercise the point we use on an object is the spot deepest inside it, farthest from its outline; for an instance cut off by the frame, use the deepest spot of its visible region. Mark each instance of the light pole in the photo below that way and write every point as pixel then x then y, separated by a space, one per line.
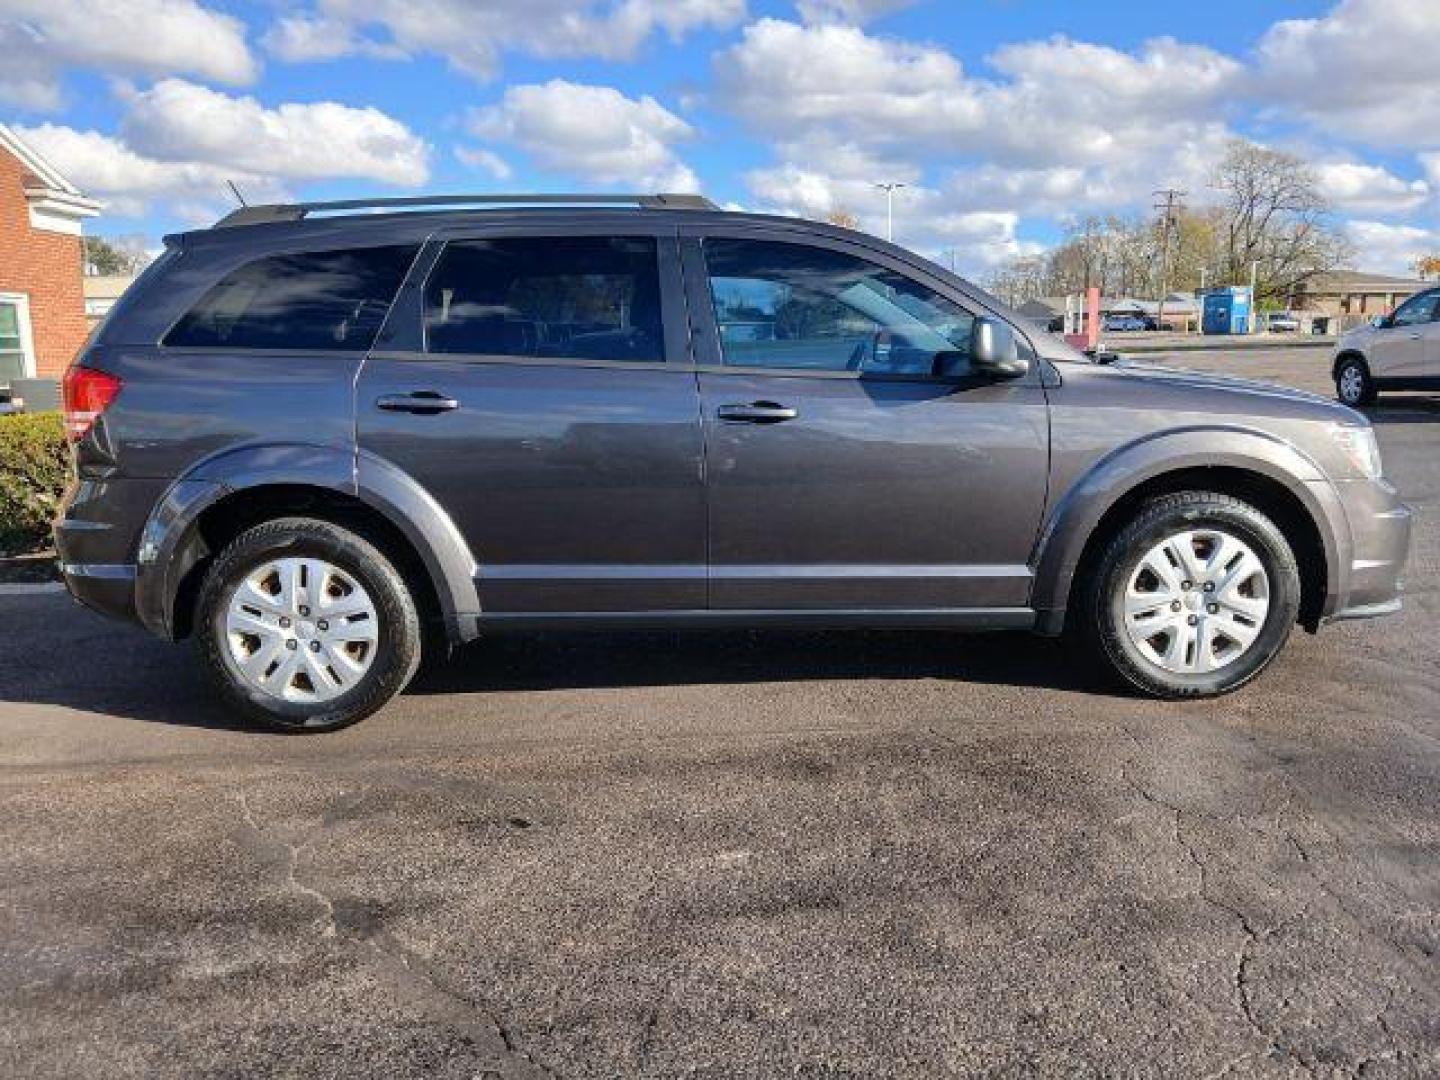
pixel 889 189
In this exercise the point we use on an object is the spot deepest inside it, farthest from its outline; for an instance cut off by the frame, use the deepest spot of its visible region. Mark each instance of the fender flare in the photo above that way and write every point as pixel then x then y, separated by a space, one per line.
pixel 169 541
pixel 1072 522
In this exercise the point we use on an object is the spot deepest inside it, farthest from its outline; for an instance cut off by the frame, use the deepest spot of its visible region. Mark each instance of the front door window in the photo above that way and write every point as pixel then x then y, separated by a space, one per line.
pixel 802 308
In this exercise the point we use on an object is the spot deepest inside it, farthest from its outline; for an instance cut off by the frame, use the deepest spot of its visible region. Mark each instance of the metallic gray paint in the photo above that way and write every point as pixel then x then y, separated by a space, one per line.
pixel 605 494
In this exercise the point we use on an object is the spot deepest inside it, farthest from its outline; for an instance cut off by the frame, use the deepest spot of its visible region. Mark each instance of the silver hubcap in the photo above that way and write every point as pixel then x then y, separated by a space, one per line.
pixel 1196 601
pixel 1352 385
pixel 301 629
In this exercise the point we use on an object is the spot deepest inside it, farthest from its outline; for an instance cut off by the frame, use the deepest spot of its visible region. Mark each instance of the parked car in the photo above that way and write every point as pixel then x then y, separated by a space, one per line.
pixel 304 440
pixel 1126 323
pixel 1391 352
pixel 1283 322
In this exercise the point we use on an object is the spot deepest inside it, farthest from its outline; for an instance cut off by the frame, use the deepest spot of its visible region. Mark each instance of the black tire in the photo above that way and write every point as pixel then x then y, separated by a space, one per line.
pixel 398 642
pixel 1354 385
pixel 1101 615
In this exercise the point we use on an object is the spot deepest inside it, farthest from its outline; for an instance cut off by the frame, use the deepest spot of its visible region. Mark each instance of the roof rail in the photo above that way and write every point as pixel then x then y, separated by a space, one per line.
pixel 269 212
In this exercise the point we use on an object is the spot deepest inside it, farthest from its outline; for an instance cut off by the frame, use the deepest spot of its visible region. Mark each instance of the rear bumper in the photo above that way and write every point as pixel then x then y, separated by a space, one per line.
pixel 108 588
pixel 96 538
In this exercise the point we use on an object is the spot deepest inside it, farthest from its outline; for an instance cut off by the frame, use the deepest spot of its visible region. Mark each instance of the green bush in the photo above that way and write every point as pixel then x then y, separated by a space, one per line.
pixel 34 468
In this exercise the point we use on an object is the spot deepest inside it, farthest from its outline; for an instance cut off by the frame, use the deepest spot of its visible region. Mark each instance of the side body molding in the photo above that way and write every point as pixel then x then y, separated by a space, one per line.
pixel 170 543
pixel 1082 504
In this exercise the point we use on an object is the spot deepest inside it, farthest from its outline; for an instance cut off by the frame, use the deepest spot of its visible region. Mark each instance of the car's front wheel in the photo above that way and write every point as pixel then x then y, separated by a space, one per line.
pixel 1194 597
pixel 1354 385
pixel 306 626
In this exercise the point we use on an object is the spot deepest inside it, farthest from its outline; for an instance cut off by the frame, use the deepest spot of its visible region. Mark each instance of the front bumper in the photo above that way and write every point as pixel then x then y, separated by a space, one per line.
pixel 1380 526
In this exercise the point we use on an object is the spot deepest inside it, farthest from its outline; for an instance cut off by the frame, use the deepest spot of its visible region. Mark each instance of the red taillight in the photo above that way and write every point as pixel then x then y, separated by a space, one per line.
pixel 87 394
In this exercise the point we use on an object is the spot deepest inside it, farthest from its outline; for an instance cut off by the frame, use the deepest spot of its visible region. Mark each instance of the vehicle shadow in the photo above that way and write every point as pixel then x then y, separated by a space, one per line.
pixel 140 678
pixel 567 661
pixel 1404 409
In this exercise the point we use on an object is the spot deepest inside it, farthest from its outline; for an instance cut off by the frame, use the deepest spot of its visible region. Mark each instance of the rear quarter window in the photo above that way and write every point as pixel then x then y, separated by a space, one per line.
pixel 333 300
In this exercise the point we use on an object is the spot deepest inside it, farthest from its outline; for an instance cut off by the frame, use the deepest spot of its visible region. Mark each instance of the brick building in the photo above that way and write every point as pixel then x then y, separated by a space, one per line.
pixel 42 305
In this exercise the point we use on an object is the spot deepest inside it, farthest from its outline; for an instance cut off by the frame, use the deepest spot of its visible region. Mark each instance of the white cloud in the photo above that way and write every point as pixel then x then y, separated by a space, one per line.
pixel 1063 102
pixel 41 38
pixel 1431 164
pixel 1366 70
pixel 300 39
pixel 925 218
pixel 181 122
pixel 1389 248
pixel 1369 189
pixel 130 183
pixel 180 143
pixel 1066 126
pixel 474 37
pixel 484 160
pixel 595 133
pixel 851 12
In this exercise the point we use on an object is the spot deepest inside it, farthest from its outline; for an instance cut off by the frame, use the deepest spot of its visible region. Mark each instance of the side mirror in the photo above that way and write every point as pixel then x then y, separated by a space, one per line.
pixel 994 350
pixel 1382 322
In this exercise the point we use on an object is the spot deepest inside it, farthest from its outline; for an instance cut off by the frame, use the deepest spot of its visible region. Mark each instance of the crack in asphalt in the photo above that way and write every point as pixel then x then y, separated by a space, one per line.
pixel 1245 956
pixel 401 967
pixel 290 854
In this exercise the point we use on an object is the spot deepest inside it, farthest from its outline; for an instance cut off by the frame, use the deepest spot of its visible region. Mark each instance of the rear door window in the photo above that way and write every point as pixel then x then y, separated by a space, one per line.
pixel 578 298
pixel 306 300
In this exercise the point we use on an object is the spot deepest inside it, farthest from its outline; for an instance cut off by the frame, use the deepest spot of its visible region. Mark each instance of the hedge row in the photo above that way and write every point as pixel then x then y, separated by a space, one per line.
pixel 34 468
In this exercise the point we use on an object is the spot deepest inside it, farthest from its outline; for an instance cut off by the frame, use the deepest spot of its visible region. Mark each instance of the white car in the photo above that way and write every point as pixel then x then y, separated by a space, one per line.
pixel 1400 351
pixel 1283 322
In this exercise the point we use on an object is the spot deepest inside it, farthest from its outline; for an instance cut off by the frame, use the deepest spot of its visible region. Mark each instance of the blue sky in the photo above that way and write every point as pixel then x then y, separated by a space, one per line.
pixel 1006 119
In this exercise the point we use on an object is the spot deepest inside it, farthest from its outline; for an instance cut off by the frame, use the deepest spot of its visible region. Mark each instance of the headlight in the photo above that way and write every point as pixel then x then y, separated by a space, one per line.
pixel 1360 448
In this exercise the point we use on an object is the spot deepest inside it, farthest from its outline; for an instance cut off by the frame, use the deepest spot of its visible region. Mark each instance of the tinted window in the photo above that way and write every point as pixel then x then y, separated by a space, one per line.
pixel 1418 309
pixel 590 298
pixel 311 300
pixel 791 306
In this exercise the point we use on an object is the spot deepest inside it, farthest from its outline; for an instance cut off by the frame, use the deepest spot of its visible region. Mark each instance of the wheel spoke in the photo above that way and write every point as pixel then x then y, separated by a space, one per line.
pixel 240 621
pixel 342 661
pixel 1242 634
pixel 346 630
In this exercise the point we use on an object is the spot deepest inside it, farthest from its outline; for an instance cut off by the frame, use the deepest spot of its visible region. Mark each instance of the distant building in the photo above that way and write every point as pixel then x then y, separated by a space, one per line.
pixel 101 292
pixel 42 306
pixel 1355 295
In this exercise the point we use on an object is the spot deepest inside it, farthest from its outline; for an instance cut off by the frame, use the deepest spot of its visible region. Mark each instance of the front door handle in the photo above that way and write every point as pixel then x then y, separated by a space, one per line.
pixel 757 412
pixel 423 402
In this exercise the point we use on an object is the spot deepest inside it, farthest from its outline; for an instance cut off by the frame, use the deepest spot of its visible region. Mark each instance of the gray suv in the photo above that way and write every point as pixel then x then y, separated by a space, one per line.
pixel 318 439
pixel 1400 351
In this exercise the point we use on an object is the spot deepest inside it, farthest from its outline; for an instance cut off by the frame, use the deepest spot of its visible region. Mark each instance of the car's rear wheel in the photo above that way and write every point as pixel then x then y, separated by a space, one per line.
pixel 1194 597
pixel 306 626
pixel 1353 383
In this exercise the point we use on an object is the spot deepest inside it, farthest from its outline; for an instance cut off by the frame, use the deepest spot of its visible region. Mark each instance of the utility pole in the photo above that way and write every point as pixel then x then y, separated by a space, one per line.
pixel 1168 206
pixel 889 189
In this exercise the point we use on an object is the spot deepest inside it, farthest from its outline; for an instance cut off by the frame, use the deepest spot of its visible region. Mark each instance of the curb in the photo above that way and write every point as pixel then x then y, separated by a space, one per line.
pixel 1126 349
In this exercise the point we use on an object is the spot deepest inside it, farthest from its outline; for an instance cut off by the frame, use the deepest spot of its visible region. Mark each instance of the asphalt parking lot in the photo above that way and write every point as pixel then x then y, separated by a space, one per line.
pixel 819 855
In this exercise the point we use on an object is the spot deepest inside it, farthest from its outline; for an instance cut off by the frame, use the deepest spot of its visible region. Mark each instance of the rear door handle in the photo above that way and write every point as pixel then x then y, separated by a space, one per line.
pixel 757 412
pixel 424 402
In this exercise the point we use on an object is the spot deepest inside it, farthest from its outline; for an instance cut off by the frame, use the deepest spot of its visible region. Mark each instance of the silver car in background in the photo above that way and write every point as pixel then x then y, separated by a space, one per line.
pixel 1400 351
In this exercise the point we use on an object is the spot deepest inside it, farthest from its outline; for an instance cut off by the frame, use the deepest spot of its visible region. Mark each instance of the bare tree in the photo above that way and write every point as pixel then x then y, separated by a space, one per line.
pixel 1427 266
pixel 842 217
pixel 1019 280
pixel 1275 220
pixel 122 255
